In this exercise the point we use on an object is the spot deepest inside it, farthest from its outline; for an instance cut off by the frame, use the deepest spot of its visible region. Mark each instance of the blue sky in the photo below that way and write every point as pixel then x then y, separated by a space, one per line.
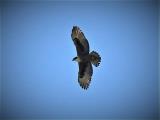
pixel 40 79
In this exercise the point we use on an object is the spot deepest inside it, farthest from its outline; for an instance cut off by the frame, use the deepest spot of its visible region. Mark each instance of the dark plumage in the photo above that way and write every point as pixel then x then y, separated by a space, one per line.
pixel 84 58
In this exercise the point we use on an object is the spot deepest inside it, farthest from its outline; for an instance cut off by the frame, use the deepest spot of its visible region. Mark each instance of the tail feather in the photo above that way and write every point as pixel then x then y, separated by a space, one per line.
pixel 95 58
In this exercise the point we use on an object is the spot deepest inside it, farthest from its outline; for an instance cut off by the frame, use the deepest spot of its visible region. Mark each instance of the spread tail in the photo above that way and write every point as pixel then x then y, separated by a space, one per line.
pixel 95 58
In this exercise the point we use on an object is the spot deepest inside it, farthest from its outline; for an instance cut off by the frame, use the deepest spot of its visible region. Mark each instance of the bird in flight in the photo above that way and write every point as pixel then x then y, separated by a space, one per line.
pixel 84 57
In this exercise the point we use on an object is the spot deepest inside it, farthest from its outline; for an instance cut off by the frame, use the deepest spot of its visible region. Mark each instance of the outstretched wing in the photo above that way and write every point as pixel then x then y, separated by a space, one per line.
pixel 85 74
pixel 81 43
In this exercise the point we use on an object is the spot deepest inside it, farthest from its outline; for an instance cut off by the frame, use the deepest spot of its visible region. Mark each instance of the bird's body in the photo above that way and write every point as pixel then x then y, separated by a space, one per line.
pixel 84 58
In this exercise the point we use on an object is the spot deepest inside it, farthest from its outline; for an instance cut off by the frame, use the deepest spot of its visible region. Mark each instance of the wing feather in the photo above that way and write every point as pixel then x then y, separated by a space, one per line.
pixel 80 41
pixel 85 74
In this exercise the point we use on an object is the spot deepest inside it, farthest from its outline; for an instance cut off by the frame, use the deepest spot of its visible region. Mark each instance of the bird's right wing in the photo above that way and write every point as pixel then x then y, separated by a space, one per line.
pixel 80 41
pixel 85 74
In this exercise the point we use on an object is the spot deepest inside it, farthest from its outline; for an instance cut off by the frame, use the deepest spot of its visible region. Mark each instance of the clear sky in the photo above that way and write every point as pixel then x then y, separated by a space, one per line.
pixel 0 60
pixel 40 78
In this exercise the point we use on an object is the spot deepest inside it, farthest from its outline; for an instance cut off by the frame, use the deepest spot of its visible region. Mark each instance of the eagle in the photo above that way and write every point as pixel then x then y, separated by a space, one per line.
pixel 84 57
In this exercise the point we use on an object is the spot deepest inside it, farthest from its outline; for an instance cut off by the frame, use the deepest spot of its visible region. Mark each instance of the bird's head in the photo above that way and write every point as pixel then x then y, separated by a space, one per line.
pixel 77 59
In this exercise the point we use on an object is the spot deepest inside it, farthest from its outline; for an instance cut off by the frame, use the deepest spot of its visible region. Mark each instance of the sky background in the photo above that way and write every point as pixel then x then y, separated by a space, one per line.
pixel 0 60
pixel 40 78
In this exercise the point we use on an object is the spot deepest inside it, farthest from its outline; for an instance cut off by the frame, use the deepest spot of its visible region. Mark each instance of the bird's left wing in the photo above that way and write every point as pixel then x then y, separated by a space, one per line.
pixel 85 74
pixel 80 41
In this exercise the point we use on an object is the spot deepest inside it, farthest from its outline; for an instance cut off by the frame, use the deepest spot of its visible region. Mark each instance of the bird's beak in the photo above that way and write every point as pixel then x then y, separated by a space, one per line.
pixel 74 59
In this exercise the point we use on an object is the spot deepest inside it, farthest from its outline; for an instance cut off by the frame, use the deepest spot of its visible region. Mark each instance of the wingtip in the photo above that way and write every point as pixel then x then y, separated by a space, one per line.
pixel 85 86
pixel 75 26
